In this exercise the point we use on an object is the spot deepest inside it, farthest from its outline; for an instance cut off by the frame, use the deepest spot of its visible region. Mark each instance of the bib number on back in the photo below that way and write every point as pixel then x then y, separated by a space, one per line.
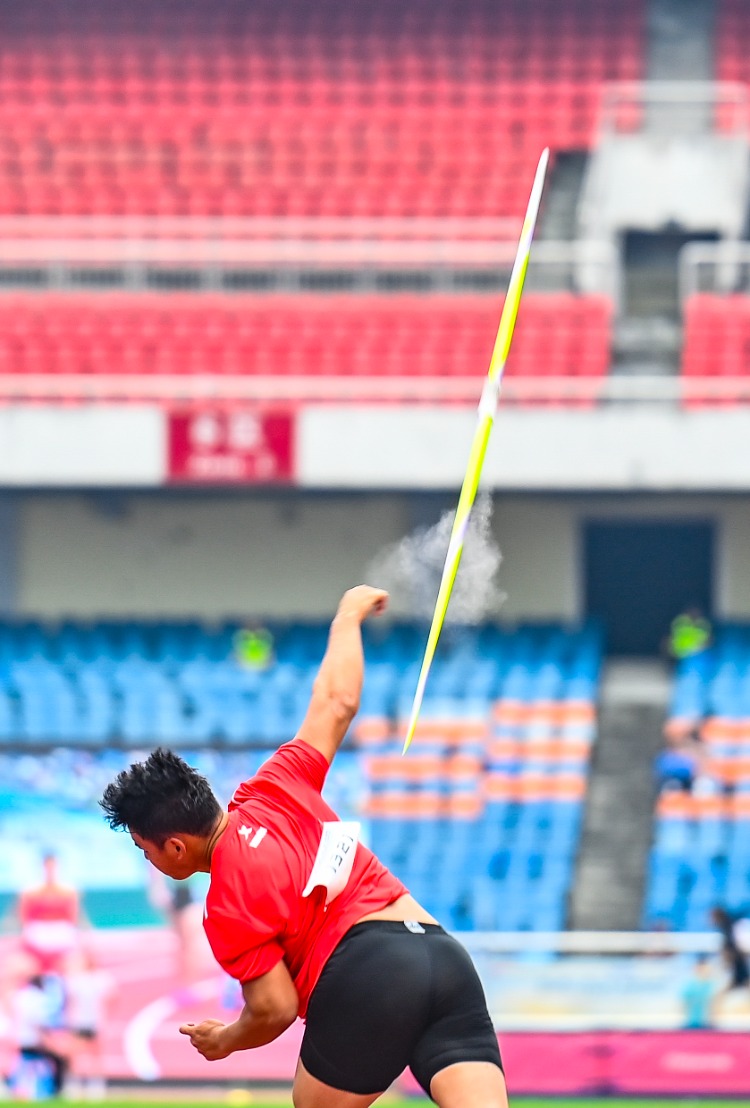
pixel 333 863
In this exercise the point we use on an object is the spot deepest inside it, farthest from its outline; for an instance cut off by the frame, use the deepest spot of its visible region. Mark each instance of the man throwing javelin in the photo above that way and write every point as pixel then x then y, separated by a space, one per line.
pixel 307 918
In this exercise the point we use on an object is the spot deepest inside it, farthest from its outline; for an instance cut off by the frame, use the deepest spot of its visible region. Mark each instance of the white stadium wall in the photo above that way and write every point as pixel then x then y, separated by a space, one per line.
pixel 210 556
pixel 622 448
pixel 290 554
pixel 361 478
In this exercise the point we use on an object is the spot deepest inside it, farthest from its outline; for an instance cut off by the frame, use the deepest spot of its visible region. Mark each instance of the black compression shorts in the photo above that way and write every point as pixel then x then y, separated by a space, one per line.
pixel 394 995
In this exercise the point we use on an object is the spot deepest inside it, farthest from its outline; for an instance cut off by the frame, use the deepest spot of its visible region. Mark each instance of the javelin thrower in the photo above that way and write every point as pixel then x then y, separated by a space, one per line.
pixel 310 921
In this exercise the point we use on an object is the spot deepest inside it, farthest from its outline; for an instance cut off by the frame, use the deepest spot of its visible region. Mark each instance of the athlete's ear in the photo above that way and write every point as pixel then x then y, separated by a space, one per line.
pixel 176 848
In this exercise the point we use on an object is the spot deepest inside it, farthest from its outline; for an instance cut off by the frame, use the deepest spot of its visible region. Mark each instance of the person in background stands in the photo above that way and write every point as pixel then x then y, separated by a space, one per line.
pixel 735 958
pixel 690 635
pixel 88 990
pixel 698 994
pixel 254 648
pixel 38 1062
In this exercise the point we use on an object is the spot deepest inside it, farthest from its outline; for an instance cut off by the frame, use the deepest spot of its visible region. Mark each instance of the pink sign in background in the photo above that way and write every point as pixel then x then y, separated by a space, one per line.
pixel 244 446
pixel 674 1063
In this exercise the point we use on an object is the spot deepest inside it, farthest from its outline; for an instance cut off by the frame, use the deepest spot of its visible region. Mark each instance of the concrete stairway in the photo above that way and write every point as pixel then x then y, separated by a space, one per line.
pixel 680 40
pixel 608 890
pixel 557 220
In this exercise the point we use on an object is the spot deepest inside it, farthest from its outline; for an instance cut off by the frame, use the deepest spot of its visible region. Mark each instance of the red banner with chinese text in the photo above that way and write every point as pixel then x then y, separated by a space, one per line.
pixel 247 446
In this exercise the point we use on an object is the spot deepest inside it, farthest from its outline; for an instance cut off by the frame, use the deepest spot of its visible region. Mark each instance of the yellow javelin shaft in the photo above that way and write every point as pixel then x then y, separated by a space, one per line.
pixel 487 408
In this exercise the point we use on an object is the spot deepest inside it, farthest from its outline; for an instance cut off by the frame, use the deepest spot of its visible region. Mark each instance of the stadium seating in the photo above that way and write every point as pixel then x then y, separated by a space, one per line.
pixel 104 333
pixel 717 342
pixel 491 793
pixel 701 852
pixel 300 109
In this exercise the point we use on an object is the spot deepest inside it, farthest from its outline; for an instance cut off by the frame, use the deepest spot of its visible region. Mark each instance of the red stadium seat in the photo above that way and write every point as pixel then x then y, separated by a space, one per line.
pixel 716 344
pixel 436 336
pixel 268 109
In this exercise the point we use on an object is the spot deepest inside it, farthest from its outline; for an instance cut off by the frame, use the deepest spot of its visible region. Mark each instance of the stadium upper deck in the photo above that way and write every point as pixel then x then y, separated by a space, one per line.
pixel 324 109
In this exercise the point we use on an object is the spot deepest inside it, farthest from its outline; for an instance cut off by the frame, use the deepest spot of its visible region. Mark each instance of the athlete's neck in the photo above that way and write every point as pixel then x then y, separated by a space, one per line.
pixel 212 840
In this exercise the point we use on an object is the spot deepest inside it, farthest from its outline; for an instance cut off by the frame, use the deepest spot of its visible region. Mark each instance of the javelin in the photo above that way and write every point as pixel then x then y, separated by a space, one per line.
pixel 487 409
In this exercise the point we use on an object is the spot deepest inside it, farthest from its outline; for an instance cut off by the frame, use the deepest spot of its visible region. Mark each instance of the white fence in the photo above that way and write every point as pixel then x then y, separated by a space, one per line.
pixel 587 981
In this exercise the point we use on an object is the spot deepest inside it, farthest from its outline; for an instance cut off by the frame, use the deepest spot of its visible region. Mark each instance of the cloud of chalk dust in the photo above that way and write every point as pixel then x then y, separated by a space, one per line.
pixel 411 569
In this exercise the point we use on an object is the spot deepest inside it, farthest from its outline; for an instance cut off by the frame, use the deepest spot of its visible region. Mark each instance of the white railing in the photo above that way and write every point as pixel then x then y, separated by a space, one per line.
pixel 575 266
pixel 632 107
pixel 718 267
pixel 593 942
pixel 598 980
pixel 346 228
pixel 295 390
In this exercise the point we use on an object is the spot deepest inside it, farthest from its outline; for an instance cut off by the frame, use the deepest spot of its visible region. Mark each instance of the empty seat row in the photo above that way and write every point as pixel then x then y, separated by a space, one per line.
pixel 699 859
pixel 558 334
pixel 275 110
pixel 179 682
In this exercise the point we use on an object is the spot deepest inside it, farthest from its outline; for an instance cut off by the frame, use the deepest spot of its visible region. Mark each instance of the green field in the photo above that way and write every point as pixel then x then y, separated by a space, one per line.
pixel 237 1097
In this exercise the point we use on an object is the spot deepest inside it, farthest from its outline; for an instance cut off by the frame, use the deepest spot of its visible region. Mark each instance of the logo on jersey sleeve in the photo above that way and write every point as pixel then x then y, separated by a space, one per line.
pixel 333 863
pixel 253 836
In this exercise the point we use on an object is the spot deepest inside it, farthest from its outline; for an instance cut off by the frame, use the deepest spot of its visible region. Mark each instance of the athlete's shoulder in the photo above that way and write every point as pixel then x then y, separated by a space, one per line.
pixel 247 835
pixel 250 882
pixel 295 765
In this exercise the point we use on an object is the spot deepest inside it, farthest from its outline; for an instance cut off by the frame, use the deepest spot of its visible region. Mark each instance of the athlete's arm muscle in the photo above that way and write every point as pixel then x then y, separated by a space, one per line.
pixel 338 685
pixel 271 1005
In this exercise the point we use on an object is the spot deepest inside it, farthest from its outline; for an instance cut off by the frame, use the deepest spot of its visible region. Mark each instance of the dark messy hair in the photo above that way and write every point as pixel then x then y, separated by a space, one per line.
pixel 160 797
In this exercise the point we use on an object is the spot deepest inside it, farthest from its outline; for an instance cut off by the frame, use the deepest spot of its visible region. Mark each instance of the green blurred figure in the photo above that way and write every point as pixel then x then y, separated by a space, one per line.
pixel 690 634
pixel 253 648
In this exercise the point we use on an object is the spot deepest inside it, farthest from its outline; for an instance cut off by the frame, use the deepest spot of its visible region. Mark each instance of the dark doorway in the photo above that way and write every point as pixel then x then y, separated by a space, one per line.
pixel 640 574
pixel 650 269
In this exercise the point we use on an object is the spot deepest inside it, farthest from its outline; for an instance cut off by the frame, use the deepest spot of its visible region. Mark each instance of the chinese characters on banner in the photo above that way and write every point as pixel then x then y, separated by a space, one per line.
pixel 236 446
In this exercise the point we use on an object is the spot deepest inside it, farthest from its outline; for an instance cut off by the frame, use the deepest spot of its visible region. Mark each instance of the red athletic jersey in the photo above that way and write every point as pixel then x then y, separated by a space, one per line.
pixel 48 903
pixel 264 902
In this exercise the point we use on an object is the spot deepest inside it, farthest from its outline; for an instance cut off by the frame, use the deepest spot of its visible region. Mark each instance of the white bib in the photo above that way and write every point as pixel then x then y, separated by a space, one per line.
pixel 333 863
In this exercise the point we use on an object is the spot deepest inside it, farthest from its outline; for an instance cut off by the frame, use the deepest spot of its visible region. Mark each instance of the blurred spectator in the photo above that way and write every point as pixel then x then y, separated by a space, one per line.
pixel 49 916
pixel 690 635
pixel 178 903
pixel 88 990
pixel 735 958
pixel 40 1070
pixel 681 762
pixel 698 994
pixel 254 648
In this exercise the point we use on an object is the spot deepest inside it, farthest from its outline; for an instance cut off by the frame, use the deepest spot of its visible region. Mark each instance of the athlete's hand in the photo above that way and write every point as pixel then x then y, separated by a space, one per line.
pixel 207 1038
pixel 363 601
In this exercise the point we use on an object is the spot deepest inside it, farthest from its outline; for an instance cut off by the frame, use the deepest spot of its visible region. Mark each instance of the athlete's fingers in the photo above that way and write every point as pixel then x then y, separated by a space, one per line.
pixel 380 604
pixel 187 1028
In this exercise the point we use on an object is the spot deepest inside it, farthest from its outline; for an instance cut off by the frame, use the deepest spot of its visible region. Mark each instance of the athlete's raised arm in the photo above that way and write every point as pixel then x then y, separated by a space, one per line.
pixel 338 686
